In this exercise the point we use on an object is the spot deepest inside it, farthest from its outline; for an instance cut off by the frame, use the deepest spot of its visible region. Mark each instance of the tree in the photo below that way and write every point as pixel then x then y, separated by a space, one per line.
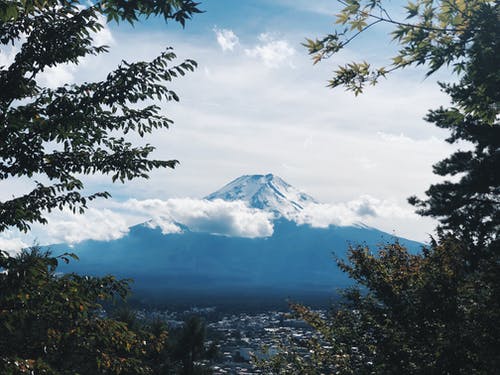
pixel 470 207
pixel 414 314
pixel 434 34
pixel 53 324
pixel 465 36
pixel 188 347
pixel 436 312
pixel 71 324
pixel 57 135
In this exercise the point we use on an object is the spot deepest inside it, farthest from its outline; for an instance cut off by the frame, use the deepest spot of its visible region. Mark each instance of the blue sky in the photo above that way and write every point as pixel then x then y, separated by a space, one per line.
pixel 257 105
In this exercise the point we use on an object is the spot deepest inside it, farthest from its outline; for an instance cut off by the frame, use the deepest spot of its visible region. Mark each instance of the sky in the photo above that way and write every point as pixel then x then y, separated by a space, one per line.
pixel 257 105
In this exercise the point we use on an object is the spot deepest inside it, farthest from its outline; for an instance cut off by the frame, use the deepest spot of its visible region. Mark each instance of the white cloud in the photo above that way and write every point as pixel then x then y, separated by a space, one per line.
pixel 11 243
pixel 166 225
pixel 65 227
pixel 227 39
pixel 364 209
pixel 327 142
pixel 7 55
pixel 273 52
pixel 95 224
pixel 103 36
pixel 58 75
pixel 100 224
pixel 217 217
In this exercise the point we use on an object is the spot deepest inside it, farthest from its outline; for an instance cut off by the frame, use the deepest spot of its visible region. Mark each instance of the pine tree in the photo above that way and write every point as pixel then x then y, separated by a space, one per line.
pixel 470 207
pixel 437 312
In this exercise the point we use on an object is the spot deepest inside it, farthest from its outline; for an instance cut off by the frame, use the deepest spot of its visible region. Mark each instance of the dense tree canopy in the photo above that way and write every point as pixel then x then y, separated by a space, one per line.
pixel 56 135
pixel 409 314
pixel 53 324
pixel 71 324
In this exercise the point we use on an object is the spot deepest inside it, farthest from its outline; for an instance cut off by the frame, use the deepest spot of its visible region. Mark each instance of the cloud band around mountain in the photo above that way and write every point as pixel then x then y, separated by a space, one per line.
pixel 216 217
pixel 219 217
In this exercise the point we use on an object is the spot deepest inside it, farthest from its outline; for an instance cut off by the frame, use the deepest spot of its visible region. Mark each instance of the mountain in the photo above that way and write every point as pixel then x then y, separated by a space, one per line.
pixel 266 192
pixel 297 260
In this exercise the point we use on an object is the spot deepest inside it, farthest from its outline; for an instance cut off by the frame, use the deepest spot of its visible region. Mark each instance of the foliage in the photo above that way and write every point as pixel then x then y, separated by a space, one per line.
pixel 436 312
pixel 434 33
pixel 469 207
pixel 465 35
pixel 53 323
pixel 58 135
pixel 415 314
pixel 187 347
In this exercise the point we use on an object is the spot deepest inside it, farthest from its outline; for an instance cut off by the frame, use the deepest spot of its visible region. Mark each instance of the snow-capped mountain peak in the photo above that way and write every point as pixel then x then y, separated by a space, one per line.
pixel 267 192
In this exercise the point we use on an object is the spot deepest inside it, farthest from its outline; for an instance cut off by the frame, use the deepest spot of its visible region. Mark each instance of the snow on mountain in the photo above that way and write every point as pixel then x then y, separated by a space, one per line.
pixel 266 192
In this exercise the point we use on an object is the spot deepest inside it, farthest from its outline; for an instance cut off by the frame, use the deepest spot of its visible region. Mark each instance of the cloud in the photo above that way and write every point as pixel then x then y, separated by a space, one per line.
pixel 103 36
pixel 364 209
pixel 100 224
pixel 227 39
pixel 7 55
pixel 273 52
pixel 11 243
pixel 95 224
pixel 217 217
pixel 234 219
pixel 328 143
pixel 58 75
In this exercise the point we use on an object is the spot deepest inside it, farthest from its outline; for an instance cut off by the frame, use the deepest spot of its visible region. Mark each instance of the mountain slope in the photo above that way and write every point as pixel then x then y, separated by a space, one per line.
pixel 295 260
